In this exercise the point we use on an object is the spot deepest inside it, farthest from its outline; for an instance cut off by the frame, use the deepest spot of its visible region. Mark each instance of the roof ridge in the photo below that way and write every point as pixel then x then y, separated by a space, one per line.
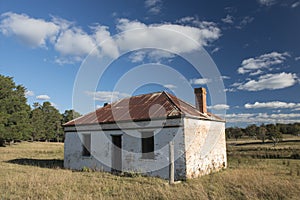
pixel 147 94
pixel 172 102
pixel 186 103
pixel 137 96
pixel 175 107
pixel 189 104
pixel 118 100
pixel 183 101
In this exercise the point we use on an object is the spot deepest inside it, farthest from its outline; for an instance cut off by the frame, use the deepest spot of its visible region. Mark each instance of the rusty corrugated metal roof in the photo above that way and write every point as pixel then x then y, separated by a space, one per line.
pixel 141 108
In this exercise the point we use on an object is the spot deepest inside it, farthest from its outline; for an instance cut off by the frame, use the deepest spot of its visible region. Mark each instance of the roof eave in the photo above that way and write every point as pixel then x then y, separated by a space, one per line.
pixel 124 121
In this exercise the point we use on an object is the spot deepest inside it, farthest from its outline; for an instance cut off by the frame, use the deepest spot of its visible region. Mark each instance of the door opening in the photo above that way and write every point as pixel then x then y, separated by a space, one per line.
pixel 116 159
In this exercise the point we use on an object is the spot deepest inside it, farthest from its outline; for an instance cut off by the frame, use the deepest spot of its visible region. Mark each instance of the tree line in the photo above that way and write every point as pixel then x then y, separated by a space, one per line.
pixel 272 132
pixel 18 121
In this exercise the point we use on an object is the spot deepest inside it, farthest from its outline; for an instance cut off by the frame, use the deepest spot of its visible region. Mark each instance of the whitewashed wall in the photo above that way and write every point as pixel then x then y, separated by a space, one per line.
pixel 132 160
pixel 200 148
pixel 205 147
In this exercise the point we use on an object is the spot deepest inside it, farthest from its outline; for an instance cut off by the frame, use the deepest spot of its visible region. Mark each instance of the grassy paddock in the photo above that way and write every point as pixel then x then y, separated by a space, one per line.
pixel 34 171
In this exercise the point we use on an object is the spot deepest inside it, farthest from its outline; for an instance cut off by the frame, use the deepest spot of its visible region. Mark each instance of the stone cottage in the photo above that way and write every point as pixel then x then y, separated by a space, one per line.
pixel 132 135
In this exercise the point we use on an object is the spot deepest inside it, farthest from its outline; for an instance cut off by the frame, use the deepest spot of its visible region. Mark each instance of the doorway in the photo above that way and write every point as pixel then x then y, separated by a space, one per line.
pixel 116 156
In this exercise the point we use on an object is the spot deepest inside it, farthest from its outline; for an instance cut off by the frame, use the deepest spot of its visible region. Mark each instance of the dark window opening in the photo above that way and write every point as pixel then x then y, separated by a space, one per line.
pixel 86 145
pixel 147 145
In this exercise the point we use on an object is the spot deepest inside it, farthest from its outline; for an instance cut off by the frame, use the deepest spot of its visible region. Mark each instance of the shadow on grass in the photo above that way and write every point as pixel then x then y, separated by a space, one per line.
pixel 44 163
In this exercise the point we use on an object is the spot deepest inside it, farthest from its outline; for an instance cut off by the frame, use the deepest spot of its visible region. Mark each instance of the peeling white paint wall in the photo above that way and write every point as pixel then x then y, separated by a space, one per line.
pixel 199 145
pixel 205 147
pixel 132 161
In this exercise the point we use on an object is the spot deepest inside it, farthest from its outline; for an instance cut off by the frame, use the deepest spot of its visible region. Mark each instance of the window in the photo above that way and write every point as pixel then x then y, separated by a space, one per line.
pixel 86 145
pixel 147 145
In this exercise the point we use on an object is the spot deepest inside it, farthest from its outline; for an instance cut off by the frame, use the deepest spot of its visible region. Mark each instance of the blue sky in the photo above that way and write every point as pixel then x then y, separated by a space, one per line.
pixel 254 44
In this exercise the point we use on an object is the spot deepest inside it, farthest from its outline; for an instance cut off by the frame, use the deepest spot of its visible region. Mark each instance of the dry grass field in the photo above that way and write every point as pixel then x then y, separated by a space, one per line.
pixel 34 171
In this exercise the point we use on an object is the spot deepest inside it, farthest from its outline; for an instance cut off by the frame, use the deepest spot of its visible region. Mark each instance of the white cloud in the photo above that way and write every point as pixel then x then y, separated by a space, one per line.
pixel 272 105
pixel 29 93
pixel 107 96
pixel 125 25
pixel 153 6
pixel 67 60
pixel 149 3
pixel 297 58
pixel 269 82
pixel 70 41
pixel 255 73
pixel 219 107
pixel 42 97
pixel 296 4
pixel 246 20
pixel 158 55
pixel 106 43
pixel 229 90
pixel 62 23
pixel 76 43
pixel 33 32
pixel 264 61
pixel 170 86
pixel 273 2
pixel 225 77
pixel 54 105
pixel 267 2
pixel 230 9
pixel 205 33
pixel 258 118
pixel 228 19
pixel 285 116
pixel 195 22
pixel 155 56
pixel 238 118
pixel 187 19
pixel 199 81
pixel 73 43
pixel 137 56
pixel 215 50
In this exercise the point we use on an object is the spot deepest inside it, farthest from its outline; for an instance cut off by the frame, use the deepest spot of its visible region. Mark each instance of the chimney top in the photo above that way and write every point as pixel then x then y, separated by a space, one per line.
pixel 200 90
pixel 200 98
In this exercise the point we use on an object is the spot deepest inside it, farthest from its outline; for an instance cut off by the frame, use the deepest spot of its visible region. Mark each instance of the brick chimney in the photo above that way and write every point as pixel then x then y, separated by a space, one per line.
pixel 200 97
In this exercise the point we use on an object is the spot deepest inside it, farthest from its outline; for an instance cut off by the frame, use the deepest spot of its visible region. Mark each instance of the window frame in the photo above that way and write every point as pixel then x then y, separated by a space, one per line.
pixel 86 145
pixel 148 145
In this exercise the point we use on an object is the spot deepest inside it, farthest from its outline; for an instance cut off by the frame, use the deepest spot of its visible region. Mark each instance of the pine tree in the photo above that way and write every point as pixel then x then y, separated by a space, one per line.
pixel 14 111
pixel 52 122
pixel 37 122
pixel 69 115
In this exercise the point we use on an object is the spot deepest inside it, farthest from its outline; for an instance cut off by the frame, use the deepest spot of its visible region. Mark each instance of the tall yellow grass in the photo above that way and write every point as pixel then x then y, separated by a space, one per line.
pixel 33 171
